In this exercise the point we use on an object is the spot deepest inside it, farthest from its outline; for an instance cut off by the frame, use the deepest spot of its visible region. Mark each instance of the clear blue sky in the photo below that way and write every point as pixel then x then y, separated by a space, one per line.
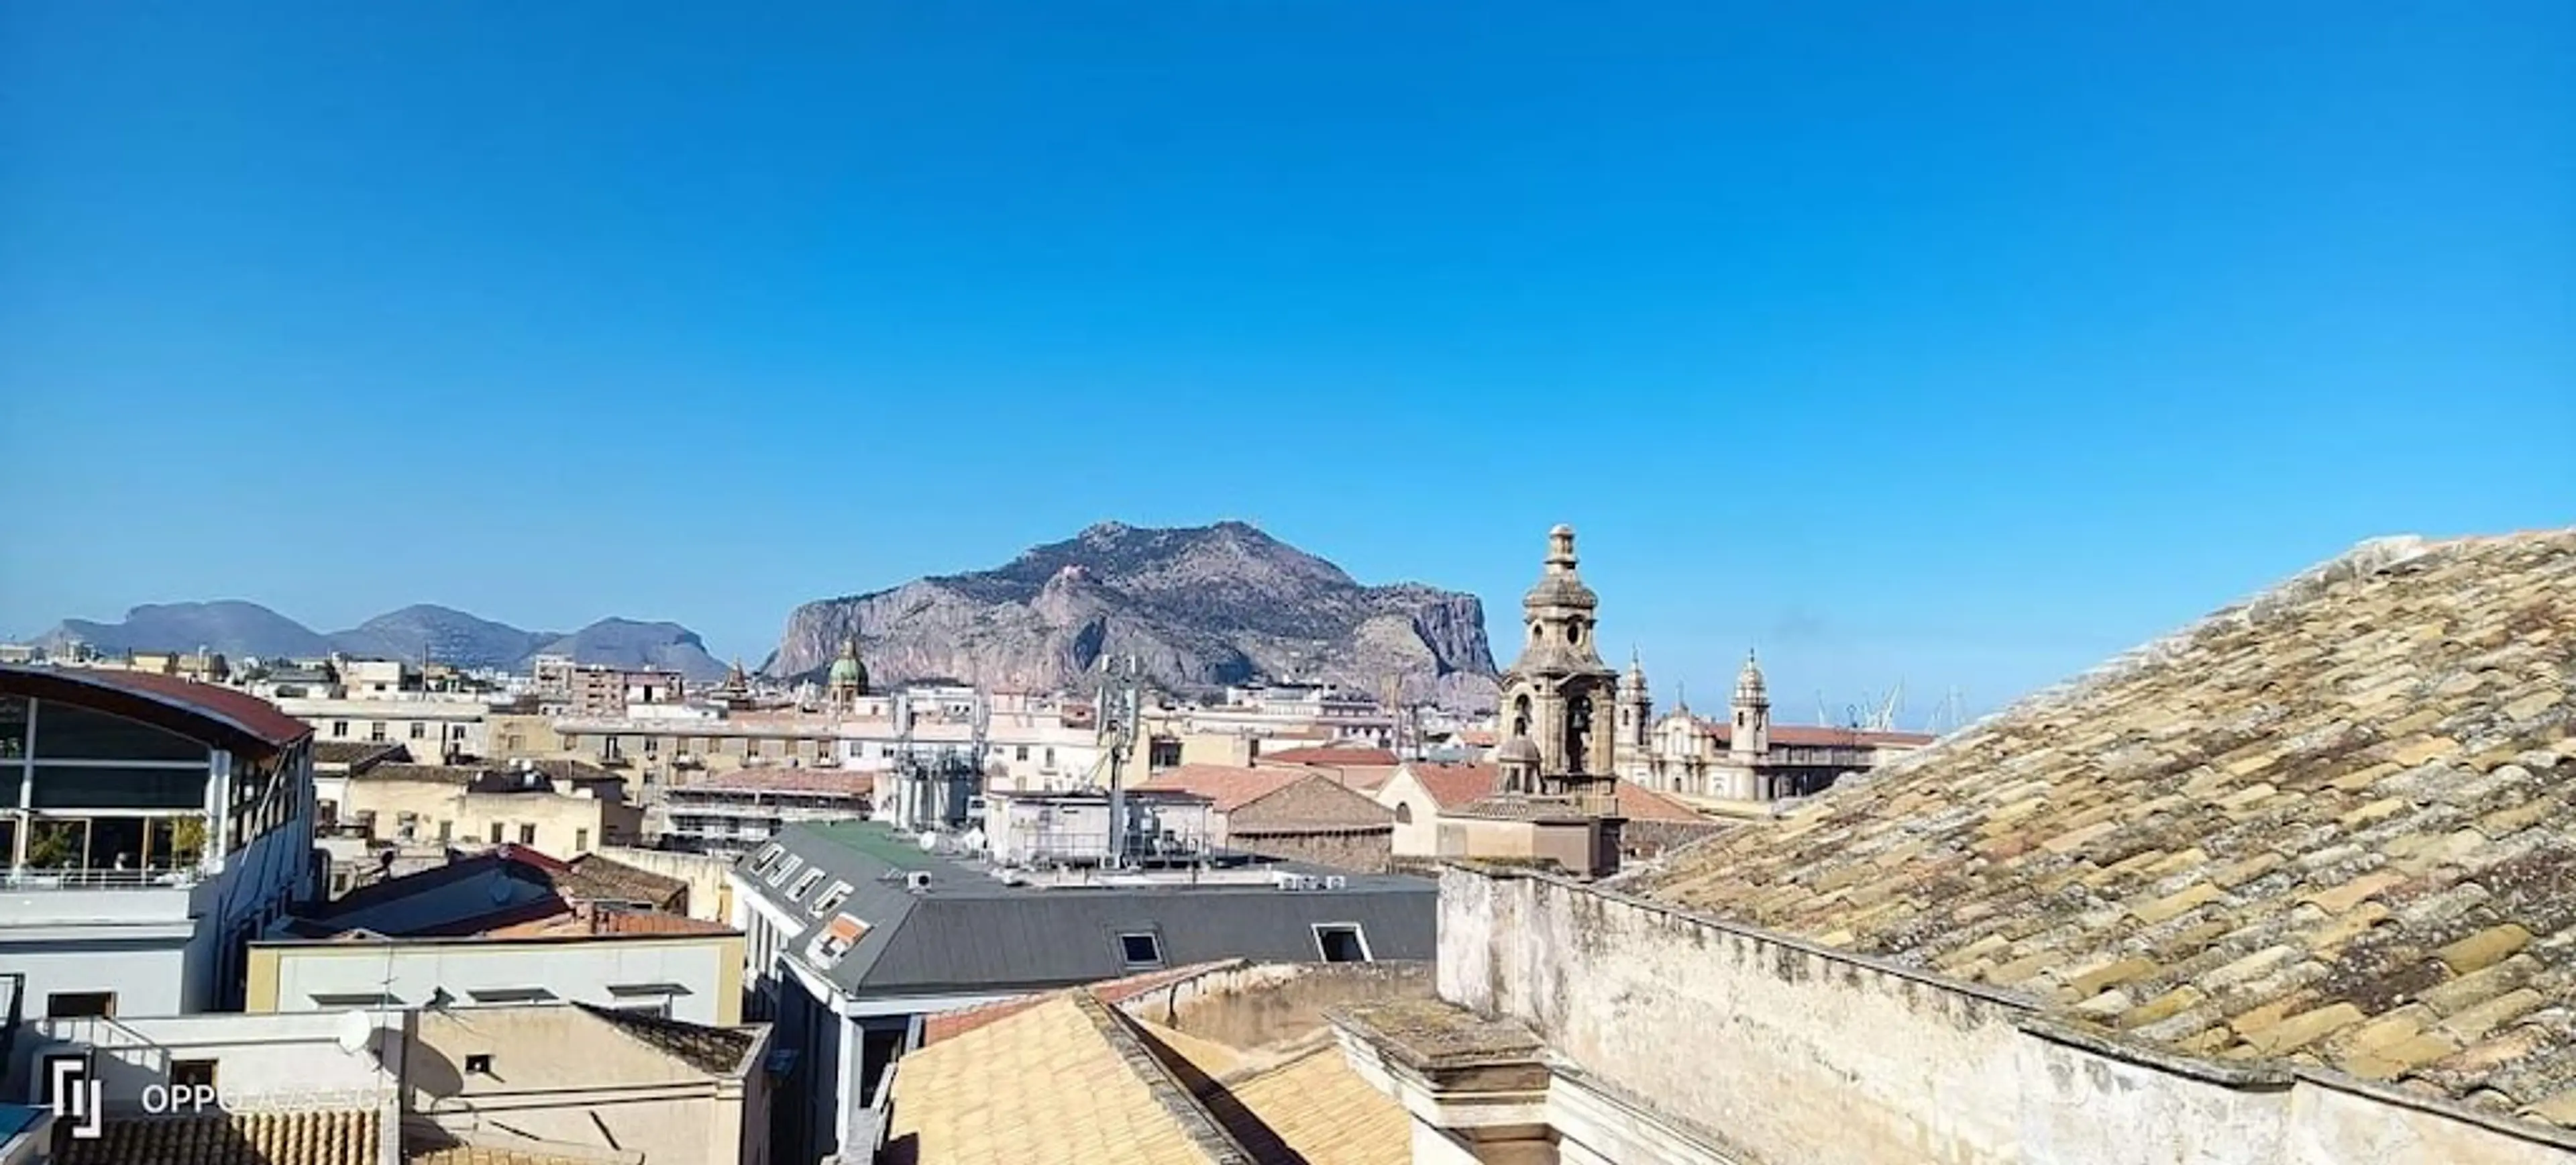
pixel 1959 343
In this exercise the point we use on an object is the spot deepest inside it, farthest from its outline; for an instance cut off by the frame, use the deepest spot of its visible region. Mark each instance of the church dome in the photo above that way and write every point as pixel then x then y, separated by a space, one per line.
pixel 847 671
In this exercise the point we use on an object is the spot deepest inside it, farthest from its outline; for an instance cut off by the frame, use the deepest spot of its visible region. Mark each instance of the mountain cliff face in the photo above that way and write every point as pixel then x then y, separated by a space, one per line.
pixel 228 627
pixel 1199 607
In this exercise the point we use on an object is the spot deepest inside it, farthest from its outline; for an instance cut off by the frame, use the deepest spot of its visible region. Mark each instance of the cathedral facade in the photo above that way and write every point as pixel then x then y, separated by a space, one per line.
pixel 1743 757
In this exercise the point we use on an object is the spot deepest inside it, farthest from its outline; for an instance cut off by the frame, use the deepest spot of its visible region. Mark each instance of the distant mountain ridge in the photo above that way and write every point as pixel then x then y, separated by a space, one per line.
pixel 237 628
pixel 1200 607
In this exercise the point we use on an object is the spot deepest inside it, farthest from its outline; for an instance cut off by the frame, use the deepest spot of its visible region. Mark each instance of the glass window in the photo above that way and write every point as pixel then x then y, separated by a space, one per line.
pixel 527 835
pixel 581 841
pixel 80 1004
pixel 340 729
pixel 1342 944
pixel 60 787
pixel 73 732
pixel 1142 949
pixel 805 884
pixel 496 833
pixel 13 726
pixel 419 730
pixel 192 1073
pixel 376 732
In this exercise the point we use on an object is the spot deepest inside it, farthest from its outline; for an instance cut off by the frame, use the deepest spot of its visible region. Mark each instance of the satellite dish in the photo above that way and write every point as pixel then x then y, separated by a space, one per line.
pixel 357 1032
pixel 929 841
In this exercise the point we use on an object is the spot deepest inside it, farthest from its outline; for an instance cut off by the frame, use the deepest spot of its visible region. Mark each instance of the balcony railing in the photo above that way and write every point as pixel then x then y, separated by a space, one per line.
pixel 87 879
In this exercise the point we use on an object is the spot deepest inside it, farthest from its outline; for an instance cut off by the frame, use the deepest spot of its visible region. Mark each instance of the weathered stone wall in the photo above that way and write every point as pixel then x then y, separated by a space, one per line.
pixel 1366 851
pixel 1800 1053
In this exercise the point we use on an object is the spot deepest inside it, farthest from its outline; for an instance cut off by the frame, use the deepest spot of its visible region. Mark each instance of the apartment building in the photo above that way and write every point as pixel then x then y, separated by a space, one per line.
pixel 558 807
pixel 151 825
pixel 730 814
pixel 435 727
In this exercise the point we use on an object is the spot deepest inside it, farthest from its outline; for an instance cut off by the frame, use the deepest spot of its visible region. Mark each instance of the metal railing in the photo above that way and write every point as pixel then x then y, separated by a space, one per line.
pixel 30 878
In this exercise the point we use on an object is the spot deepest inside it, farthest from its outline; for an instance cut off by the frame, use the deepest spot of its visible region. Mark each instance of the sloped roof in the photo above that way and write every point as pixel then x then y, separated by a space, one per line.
pixel 325 1137
pixel 1044 1087
pixel 716 1051
pixel 1639 803
pixel 358 752
pixel 596 877
pixel 1068 1080
pixel 1456 786
pixel 1230 787
pixel 2334 825
pixel 209 712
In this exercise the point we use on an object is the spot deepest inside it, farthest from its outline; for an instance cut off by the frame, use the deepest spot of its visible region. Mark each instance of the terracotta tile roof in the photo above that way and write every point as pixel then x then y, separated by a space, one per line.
pixel 1048 1083
pixel 2334 826
pixel 1230 786
pixel 792 780
pixel 355 753
pixel 336 1137
pixel 1329 755
pixel 1320 1112
pixel 1639 803
pixel 1478 737
pixel 1044 1087
pixel 595 878
pixel 1456 786
pixel 200 711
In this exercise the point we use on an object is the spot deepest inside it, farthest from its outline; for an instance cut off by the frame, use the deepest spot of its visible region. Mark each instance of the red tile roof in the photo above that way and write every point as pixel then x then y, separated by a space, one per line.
pixel 1329 755
pixel 1639 803
pixel 218 715
pixel 1456 785
pixel 1231 787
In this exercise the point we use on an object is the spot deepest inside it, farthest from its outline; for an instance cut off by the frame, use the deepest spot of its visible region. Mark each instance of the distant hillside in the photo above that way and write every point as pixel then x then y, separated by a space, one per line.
pixel 1200 607
pixel 628 643
pixel 229 626
pixel 422 631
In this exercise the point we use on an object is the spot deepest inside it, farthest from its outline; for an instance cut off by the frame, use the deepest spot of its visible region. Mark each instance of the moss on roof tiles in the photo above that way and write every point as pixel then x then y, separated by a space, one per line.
pixel 2336 823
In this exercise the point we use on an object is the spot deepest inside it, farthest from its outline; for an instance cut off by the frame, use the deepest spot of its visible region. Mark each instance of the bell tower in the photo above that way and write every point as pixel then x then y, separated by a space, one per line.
pixel 1634 754
pixel 1559 695
pixel 1750 732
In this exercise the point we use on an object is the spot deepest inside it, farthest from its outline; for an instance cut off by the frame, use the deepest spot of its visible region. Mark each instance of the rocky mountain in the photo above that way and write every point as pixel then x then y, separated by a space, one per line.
pixel 628 643
pixel 424 631
pixel 237 629
pixel 1200 607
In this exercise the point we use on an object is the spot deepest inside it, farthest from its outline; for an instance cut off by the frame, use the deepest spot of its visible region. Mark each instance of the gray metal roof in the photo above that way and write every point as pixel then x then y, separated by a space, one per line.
pixel 970 931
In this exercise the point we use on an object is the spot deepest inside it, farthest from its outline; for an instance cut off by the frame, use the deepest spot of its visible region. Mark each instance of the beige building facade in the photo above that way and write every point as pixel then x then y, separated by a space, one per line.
pixel 582 1083
pixel 561 814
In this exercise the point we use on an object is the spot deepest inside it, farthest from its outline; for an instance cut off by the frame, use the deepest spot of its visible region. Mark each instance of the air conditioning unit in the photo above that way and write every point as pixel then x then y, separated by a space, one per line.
pixel 917 881
pixel 1335 881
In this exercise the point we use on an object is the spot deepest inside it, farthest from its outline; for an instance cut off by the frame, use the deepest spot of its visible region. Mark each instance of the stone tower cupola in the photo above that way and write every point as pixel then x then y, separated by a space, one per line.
pixel 1558 694
pixel 1750 731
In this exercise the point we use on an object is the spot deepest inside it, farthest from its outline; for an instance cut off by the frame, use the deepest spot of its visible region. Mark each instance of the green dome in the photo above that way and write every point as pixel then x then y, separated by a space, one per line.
pixel 847 671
